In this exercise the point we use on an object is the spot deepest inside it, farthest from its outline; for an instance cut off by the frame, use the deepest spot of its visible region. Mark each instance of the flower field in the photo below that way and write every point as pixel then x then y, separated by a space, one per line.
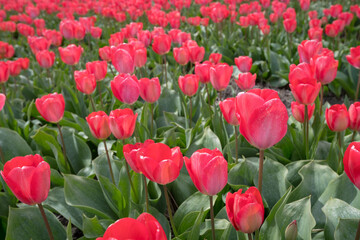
pixel 154 120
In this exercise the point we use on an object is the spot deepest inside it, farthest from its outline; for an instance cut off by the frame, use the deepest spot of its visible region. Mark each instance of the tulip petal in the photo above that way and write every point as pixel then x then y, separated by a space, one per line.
pixel 166 172
pixel 40 182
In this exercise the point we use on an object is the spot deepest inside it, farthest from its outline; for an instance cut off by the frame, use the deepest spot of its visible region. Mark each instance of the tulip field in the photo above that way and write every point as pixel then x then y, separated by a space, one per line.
pixel 179 119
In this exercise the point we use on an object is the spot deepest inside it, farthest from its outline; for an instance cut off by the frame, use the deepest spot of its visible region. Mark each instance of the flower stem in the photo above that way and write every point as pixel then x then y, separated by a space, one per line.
pixel 358 233
pixel 357 89
pixel 169 210
pixel 250 236
pixel 306 127
pixel 353 136
pixel 207 91
pixel 321 98
pixel 236 145
pixel 63 144
pixel 146 194
pixel 165 73
pixel 129 176
pixel 261 165
pixel 212 217
pixel 101 101
pixel 92 103
pixel 152 118
pixel 190 110
pixel 3 88
pixel 340 142
pixel 46 221
pixel 108 159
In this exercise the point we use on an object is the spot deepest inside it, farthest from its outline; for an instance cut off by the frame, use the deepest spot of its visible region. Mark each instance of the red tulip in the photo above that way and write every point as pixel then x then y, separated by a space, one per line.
pixel 25 62
pixel 304 4
pixel 123 61
pixel 99 125
pixel 246 81
pixel 45 58
pixel 96 32
pixel 98 68
pixel 150 89
pixel 243 63
pixel 228 109
pixel 6 50
pixel 189 84
pixel 129 228
pixel 71 54
pixel 4 72
pixel 325 69
pixel 303 84
pixel 215 58
pixel 354 57
pixel 208 170
pixel 161 44
pixel 125 88
pixel 203 71
pixel 337 118
pixel 122 122
pixel 130 153
pixel 181 55
pixel 2 100
pixel 196 53
pixel 25 29
pixel 262 117
pixel 315 34
pixel 140 53
pixel 105 53
pixel 85 81
pixel 354 116
pixel 51 107
pixel 14 67
pixel 144 37
pixel 245 211
pixel 289 25
pixel 67 28
pixel 159 163
pixel 28 178
pixel 298 111
pixel 351 163
pixel 220 75
pixel 38 44
pixel 346 17
pixel 313 14
pixel 54 37
pixel 308 49
pixel 332 30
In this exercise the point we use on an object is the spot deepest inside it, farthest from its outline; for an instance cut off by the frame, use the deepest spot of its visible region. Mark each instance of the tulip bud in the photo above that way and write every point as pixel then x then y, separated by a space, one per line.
pixel 243 63
pixel 85 81
pixel 203 71
pixel 99 124
pixel 51 107
pixel 228 109
pixel 354 57
pixel 189 84
pixel 122 122
pixel 125 88
pixel 246 81
pixel 298 111
pixel 98 68
pixel 181 55
pixel 337 117
pixel 71 54
pixel 220 75
pixel 291 231
pixel 150 89
pixel 351 163
pixel 215 58
pixel 308 49
pixel 45 58
pixel 2 100
pixel 161 44
pixel 354 116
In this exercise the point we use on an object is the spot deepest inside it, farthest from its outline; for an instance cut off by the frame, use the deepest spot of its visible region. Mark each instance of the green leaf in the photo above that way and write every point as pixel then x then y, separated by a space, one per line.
pixel 208 139
pixel 93 227
pixel 68 231
pixel 242 174
pixel 221 225
pixel 12 144
pixel 83 193
pixel 27 223
pixel 195 231
pixel 346 229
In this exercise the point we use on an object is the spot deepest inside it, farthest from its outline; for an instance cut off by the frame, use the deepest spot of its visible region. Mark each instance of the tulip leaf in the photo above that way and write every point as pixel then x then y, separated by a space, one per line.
pixel 208 139
pixel 4 206
pixel 346 229
pixel 27 223
pixel 56 201
pixel 93 227
pixel 242 174
pixel 220 227
pixel 195 231
pixel 83 193
pixel 183 187
pixel 77 151
pixel 12 144
pixel 68 231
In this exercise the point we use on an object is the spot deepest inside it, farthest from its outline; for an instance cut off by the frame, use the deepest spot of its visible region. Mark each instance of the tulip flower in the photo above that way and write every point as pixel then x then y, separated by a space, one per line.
pixel 181 55
pixel 105 53
pixel 71 54
pixel 38 44
pixel 45 58
pixel 98 68
pixel 85 82
pixel 308 49
pixel 123 61
pixel 2 100
pixel 246 81
pixel 189 84
pixel 263 120
pixel 354 116
pixel 51 107
pixel 354 60
pixel 203 71
pixel 220 75
pixel 161 44
pixel 4 72
pixel 337 118
pixel 144 37
pixel 215 58
pixel 298 111
pixel 122 122
pixel 196 53
pixel 351 162
pixel 315 34
pixel 99 125
pixel 125 88
pixel 14 67
pixel 325 69
pixel 245 210
pixel 53 36
pixel 129 228
pixel 150 89
pixel 243 63
pixel 289 25
pixel 96 32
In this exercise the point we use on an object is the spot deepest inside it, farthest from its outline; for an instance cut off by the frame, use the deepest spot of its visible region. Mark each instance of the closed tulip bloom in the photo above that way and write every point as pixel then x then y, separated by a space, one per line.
pixel 245 210
pixel 246 81
pixel 298 111
pixel 123 61
pixel 150 89
pixel 25 62
pixel 354 116
pixel 289 25
pixel 325 69
pixel 96 32
pixel 181 55
pixel 308 49
pixel 130 153
pixel 160 163
pixel 51 107
pixel 161 44
pixel 99 124
pixel 98 68
pixel 67 29
pixel 189 84
pixel 228 109
pixel 243 63
pixel 14 67
pixel 215 58
pixel 303 84
pixel 352 163
pixel 262 117
pixel 196 53
pixel 331 30
pixel 45 58
pixel 2 100
pixel 28 178
pixel 105 53
pixel 203 71
pixel 337 118
pixel 144 37
pixel 220 75
pixel 354 57
pixel 125 88
pixel 122 122
pixel 315 34
pixel 71 54
pixel 38 44
pixel 140 57
pixel 208 170
pixel 4 72
pixel 85 81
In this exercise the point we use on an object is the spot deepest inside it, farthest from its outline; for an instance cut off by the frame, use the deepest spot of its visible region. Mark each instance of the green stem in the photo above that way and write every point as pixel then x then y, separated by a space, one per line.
pixel 63 144
pixel 3 88
pixel 250 236
pixel 236 145
pixel 92 103
pixel 353 136
pixel 101 101
pixel 357 89
pixel 46 221
pixel 152 118
pixel 306 125
pixel 357 237
pixel 212 218
pixel 321 98
pixel 190 110
pixel 110 167
pixel 2 156
pixel 208 94
pixel 146 194
pixel 340 142
pixel 129 176
pixel 112 70
pixel 165 73
pixel 169 210
pixel 261 165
